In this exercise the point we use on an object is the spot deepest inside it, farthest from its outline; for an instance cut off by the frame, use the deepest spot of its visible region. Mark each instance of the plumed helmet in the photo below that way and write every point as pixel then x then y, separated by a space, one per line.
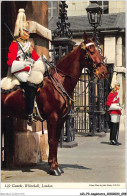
pixel 21 23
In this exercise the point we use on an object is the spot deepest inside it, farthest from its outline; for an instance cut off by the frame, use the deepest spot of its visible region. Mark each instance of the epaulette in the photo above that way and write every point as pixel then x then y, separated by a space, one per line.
pixel 113 91
pixel 18 39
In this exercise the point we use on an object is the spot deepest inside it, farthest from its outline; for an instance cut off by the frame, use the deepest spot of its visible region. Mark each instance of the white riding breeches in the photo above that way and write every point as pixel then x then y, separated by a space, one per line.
pixel 115 118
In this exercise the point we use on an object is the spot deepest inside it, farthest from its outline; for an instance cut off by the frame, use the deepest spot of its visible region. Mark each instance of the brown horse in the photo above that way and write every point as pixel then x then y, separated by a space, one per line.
pixel 52 102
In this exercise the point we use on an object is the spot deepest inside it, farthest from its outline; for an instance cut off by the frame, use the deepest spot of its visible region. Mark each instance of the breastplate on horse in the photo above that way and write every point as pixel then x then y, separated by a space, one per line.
pixel 52 101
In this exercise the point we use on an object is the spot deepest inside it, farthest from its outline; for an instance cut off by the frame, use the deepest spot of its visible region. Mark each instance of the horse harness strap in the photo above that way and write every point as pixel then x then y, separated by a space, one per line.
pixel 59 84
pixel 62 93
pixel 64 75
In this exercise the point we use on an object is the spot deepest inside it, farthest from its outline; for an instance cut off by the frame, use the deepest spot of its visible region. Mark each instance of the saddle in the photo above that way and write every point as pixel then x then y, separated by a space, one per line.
pixel 11 86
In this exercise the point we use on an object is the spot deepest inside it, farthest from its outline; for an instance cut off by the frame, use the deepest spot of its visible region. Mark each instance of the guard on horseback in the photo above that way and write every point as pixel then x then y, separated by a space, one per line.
pixel 24 63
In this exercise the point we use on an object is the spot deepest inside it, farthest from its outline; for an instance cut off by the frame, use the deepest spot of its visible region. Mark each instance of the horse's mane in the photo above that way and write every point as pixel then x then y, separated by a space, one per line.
pixel 68 58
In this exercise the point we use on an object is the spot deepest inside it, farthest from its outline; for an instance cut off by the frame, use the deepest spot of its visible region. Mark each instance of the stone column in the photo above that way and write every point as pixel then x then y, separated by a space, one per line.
pixel 44 17
pixel 119 52
pixel 119 66
pixel 38 11
pixel 120 74
pixel 110 53
pixel 41 44
pixel 109 49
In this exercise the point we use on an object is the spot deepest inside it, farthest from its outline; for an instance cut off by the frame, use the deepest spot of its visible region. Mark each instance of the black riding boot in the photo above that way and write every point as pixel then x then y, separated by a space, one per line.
pixel 113 133
pixel 30 93
pixel 117 134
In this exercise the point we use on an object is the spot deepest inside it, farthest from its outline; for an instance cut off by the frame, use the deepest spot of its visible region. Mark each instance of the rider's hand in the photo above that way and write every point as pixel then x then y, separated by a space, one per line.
pixel 119 106
pixel 29 62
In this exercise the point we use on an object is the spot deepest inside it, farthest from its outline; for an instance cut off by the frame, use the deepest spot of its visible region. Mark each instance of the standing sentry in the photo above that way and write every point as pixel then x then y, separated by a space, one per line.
pixel 113 102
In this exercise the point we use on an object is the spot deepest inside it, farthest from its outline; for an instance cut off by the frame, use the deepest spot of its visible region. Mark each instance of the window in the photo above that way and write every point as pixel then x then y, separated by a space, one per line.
pixel 104 5
pixel 53 9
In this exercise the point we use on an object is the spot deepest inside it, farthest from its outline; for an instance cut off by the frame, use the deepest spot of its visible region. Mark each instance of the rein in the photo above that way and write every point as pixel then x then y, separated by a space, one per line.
pixel 64 74
pixel 59 85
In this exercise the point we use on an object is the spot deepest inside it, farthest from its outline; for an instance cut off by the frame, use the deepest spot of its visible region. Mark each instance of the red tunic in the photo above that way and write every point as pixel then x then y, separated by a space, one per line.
pixel 12 54
pixel 112 99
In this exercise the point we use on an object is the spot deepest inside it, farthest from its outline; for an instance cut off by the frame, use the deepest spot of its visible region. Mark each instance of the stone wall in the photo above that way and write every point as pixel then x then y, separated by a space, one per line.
pixel 77 8
pixel 30 148
pixel 117 6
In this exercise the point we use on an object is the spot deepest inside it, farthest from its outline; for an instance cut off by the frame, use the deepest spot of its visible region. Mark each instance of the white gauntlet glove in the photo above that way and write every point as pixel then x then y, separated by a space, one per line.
pixel 115 106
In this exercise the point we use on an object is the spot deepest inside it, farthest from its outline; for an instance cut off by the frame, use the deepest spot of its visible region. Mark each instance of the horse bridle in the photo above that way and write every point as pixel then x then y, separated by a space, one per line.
pixel 87 56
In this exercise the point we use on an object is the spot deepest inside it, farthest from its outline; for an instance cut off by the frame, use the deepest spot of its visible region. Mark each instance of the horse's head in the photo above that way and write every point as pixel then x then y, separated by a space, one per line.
pixel 93 58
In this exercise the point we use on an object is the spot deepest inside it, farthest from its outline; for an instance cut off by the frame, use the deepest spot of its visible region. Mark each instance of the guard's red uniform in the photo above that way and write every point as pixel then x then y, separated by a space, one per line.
pixel 13 50
pixel 112 100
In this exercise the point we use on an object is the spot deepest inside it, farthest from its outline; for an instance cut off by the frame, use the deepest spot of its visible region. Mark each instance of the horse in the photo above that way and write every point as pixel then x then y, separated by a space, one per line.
pixel 52 102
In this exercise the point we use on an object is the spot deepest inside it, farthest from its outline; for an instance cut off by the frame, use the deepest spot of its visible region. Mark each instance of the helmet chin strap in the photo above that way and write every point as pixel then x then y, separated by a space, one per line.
pixel 24 36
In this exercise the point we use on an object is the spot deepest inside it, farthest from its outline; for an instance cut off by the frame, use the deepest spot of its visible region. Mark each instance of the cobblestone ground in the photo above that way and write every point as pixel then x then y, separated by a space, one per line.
pixel 92 161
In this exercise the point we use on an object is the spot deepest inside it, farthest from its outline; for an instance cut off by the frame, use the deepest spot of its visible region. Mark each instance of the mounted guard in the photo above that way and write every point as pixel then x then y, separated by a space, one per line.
pixel 25 67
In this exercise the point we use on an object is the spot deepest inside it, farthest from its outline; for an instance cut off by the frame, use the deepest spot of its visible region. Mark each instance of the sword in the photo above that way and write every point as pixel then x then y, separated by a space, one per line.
pixel 116 97
pixel 16 41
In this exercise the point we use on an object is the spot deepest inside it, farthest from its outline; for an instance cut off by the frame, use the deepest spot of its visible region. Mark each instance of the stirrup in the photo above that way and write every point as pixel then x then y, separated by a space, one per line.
pixel 36 113
pixel 30 119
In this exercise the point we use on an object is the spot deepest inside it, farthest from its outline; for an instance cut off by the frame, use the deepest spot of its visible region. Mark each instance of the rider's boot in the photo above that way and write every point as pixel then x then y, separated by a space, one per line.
pixel 30 93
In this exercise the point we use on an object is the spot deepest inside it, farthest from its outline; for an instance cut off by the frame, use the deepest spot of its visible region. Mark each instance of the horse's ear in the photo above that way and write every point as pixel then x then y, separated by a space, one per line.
pixel 85 37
